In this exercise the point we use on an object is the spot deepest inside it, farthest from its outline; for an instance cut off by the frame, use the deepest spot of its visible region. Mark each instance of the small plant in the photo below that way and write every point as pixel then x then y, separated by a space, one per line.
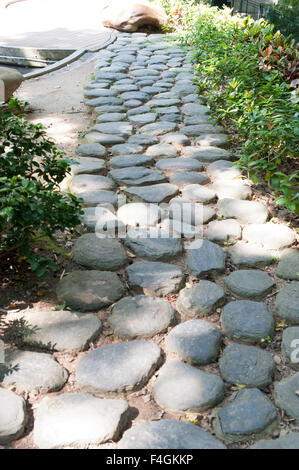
pixel 266 340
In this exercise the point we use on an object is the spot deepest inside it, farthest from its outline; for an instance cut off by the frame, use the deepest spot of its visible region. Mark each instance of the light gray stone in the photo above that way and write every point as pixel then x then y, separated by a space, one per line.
pixel 143 139
pixel 91 150
pixel 194 341
pixel 206 154
pixel 288 441
pixel 125 161
pixel 139 214
pixel 290 345
pixel 88 165
pixel 153 194
pixel 155 278
pixel 247 365
pixel 153 243
pixel 121 128
pixel 123 149
pixel 198 193
pixel 249 255
pixel 141 316
pixel 61 330
pixel 191 213
pixel 162 151
pixel 286 396
pixel 111 117
pixel 168 434
pixel 158 128
pixel 89 290
pixel 205 257
pixel 78 419
pixel 100 138
pixel 33 372
pixel 182 388
pixel 201 129
pixel 244 211
pixel 184 178
pixel 175 138
pixel 226 231
pixel 139 110
pixel 99 253
pixel 179 164
pixel 137 176
pixel 12 416
pixel 118 367
pixel 200 300
pixel 287 303
pixel 191 109
pixel 249 283
pixel 141 119
pixel 270 236
pixel 163 102
pixel 212 140
pixel 235 189
pixel 246 321
pixel 222 170
pixel 102 220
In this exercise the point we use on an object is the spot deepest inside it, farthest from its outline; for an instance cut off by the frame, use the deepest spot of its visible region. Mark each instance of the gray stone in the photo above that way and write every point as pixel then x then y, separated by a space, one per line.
pixel 134 96
pixel 155 278
pixel 197 119
pixel 155 103
pixel 141 316
pixel 206 154
pixel 166 110
pixel 12 416
pixel 33 372
pixel 200 300
pixel 288 441
pixel 168 434
pixel 194 108
pixel 249 255
pixel 123 129
pixel 287 302
pixel 246 321
pixel 221 169
pixel 201 129
pixel 162 150
pixel 78 419
pixel 212 139
pixel 83 183
pixel 198 193
pixel 111 117
pixel 141 119
pixel 179 164
pixel 89 290
pixel 244 211
pixel 88 165
pixel 139 214
pixel 139 110
pixel 99 253
pixel 118 367
pixel 290 345
pixel 286 396
pixel 288 266
pixel 145 72
pixel 124 149
pixel 175 138
pixel 110 76
pixel 235 189
pixel 99 92
pixel 185 178
pixel 102 101
pixel 103 221
pixel 226 231
pixel 183 87
pixel 249 415
pixel 152 194
pixel 195 341
pixel 130 160
pixel 181 388
pixel 247 365
pixel 143 139
pixel 105 139
pixel 186 230
pixel 192 213
pixel 112 108
pixel 153 243
pixel 249 283
pixel 171 117
pixel 61 330
pixel 270 236
pixel 158 128
pixel 91 150
pixel 205 257
pixel 137 176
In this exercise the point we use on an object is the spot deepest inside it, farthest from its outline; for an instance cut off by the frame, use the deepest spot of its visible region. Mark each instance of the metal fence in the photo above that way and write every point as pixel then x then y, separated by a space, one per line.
pixel 287 22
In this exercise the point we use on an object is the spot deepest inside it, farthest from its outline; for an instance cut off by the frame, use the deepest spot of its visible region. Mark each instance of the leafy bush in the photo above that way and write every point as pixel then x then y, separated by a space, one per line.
pixel 31 205
pixel 246 72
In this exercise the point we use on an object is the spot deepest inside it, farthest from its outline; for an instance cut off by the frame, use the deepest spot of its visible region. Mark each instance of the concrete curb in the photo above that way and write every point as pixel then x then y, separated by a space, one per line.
pixel 69 59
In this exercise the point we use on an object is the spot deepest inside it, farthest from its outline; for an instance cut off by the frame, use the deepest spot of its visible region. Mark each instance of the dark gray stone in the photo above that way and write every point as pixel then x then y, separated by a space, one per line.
pixel 251 413
pixel 205 257
pixel 93 420
pixel 143 139
pixel 182 388
pixel 124 149
pixel 195 341
pixel 102 101
pixel 153 243
pixel 288 266
pixel 247 321
pixel 290 345
pixel 153 194
pixel 248 255
pixel 201 299
pixel 249 283
pixel 33 372
pixel 105 139
pixel 179 164
pixel 137 176
pixel 287 302
pixel 206 154
pixel 121 128
pixel 93 198
pixel 83 183
pixel 140 119
pixel 91 150
pixel 99 253
pixel 88 165
pixel 201 129
pixel 158 128
pixel 138 110
pixel 184 178
pixel 141 316
pixel 111 117
pixel 247 365
pixel 118 367
pixel 168 434
pixel 130 160
pixel 12 416
pixel 155 278
pixel 286 396
pixel 89 290
pixel 191 109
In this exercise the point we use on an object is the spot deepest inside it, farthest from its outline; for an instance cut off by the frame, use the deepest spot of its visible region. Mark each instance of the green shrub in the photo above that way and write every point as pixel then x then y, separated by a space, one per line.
pixel 31 205
pixel 246 71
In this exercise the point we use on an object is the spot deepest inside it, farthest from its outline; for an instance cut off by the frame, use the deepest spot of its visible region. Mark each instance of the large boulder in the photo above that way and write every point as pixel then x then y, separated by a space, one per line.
pixel 11 80
pixel 129 16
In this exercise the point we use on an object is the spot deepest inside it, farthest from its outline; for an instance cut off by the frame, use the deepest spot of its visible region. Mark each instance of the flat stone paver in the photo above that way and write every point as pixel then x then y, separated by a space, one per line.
pixel 200 300
pixel 12 416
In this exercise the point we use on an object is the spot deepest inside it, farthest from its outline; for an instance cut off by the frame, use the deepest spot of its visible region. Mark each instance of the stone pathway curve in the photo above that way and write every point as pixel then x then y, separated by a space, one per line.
pixel 180 268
